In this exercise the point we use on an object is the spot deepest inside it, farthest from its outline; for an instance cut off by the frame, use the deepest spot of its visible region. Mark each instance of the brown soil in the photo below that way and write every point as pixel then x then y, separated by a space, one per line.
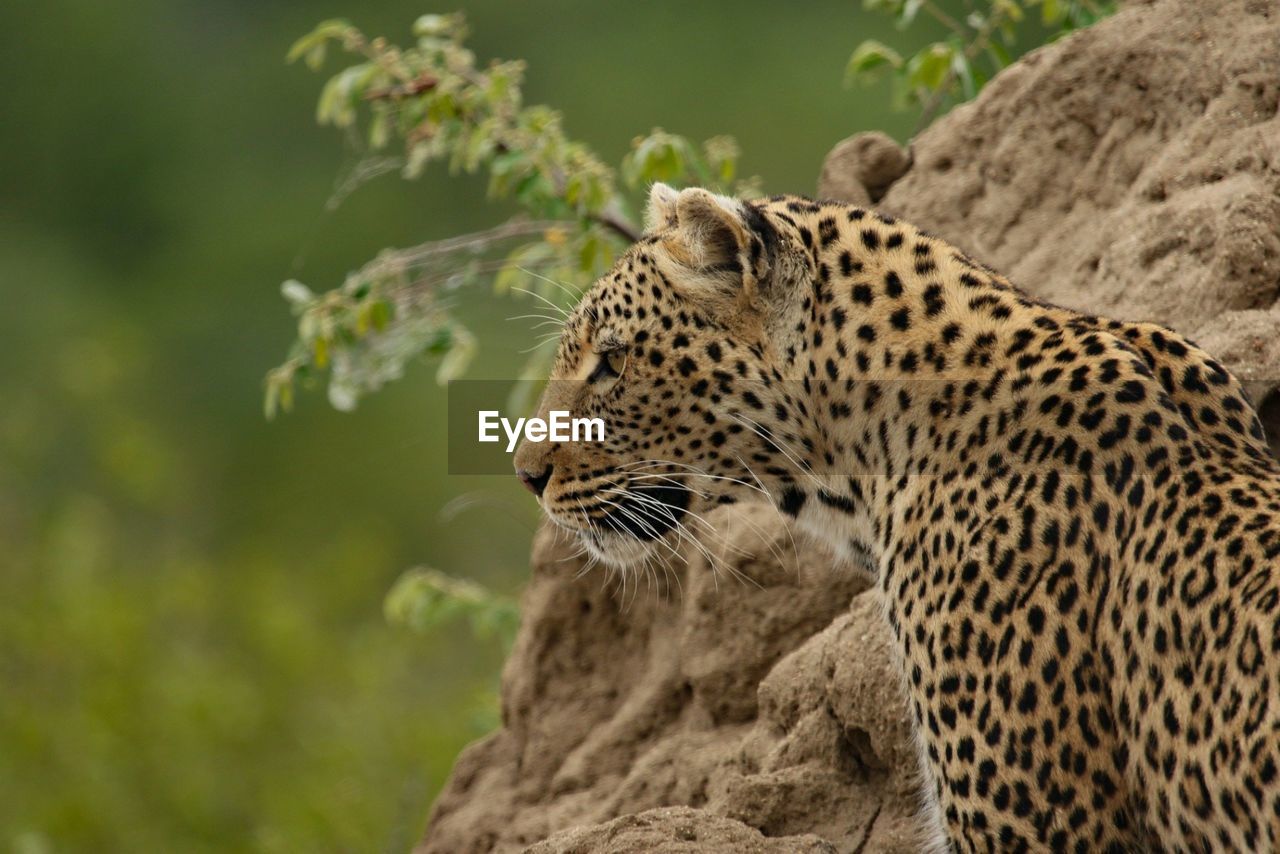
pixel 1132 170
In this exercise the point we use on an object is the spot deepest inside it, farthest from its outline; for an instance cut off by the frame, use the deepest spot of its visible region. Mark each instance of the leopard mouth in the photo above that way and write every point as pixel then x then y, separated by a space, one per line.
pixel 648 512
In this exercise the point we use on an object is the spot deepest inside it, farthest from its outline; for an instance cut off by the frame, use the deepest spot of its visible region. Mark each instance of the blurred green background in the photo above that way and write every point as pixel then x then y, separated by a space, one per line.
pixel 192 645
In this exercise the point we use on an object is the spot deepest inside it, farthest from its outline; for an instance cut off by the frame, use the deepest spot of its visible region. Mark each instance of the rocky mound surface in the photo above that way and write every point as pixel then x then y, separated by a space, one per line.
pixel 1132 170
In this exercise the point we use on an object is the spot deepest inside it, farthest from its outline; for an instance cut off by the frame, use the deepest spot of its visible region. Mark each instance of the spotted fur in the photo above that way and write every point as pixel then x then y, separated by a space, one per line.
pixel 1075 522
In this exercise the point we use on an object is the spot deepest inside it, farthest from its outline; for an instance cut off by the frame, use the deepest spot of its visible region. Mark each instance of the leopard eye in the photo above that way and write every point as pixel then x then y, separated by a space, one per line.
pixel 617 360
pixel 609 367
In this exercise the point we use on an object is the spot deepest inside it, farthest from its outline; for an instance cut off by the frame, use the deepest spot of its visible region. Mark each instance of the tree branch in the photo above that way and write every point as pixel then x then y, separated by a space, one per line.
pixel 479 241
pixel 945 19
pixel 617 224
pixel 980 41
pixel 425 83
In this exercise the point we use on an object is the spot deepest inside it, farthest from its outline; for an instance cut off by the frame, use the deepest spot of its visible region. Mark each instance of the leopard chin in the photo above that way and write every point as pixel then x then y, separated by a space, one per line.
pixel 638 525
pixel 619 551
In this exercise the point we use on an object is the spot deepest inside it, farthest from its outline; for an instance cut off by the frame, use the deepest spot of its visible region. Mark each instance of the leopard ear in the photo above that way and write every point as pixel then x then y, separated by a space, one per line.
pixel 661 213
pixel 723 239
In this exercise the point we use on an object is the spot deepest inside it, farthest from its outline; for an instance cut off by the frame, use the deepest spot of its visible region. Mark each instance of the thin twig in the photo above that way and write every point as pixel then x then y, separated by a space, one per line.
pixel 617 224
pixel 944 19
pixel 425 83
pixel 479 241
pixel 609 219
pixel 975 47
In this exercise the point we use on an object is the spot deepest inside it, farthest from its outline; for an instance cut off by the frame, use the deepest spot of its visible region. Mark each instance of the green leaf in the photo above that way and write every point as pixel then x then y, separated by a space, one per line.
pixel 1051 12
pixel 960 66
pixel 296 293
pixel 868 59
pixel 437 26
pixel 660 156
pixel 929 68
pixel 1010 9
pixel 721 154
pixel 1000 53
pixel 311 47
pixel 380 314
pixel 424 600
pixel 341 95
pixel 459 356
pixel 980 78
pixel 314 57
pixel 320 353
pixel 271 400
pixel 419 156
pixel 343 395
pixel 379 129
pixel 594 256
pixel 506 163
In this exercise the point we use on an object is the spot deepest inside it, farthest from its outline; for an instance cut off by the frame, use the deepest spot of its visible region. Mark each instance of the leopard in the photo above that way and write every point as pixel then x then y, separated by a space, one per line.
pixel 1073 521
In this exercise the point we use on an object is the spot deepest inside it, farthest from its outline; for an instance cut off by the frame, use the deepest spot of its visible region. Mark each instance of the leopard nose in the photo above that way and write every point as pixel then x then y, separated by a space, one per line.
pixel 534 483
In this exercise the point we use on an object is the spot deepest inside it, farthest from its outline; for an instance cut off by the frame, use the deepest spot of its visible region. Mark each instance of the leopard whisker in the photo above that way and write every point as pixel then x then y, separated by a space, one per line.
pixel 564 312
pixel 696 542
pixel 573 294
pixel 694 471
pixel 763 432
pixel 773 505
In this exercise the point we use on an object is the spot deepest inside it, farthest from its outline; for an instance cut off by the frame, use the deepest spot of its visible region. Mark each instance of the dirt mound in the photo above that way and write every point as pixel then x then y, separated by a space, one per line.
pixel 1132 170
pixel 676 830
pixel 769 703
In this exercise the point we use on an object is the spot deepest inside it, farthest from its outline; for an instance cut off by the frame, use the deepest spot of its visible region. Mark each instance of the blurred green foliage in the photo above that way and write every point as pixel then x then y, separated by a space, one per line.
pixel 425 599
pixel 982 38
pixel 192 634
pixel 439 104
